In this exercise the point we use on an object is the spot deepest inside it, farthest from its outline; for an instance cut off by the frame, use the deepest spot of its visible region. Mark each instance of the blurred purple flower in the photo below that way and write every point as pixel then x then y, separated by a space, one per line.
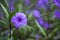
pixel 27 2
pixel 36 13
pixel 57 14
pixel 2 14
pixel 40 21
pixel 46 25
pixel 19 20
pixel 57 2
pixel 11 5
pixel 37 36
pixel 28 12
pixel 42 3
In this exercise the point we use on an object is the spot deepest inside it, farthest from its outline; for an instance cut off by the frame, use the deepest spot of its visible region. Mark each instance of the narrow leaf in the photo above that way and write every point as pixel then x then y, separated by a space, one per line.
pixel 41 29
pixel 6 2
pixel 52 34
pixel 1 21
pixel 5 10
pixel 19 7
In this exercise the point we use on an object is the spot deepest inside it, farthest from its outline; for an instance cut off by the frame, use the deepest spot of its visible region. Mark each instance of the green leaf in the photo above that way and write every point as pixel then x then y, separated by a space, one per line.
pixel 30 39
pixel 5 10
pixel 14 35
pixel 23 32
pixel 29 28
pixel 6 2
pixel 1 38
pixel 41 29
pixel 58 25
pixel 1 21
pixel 57 37
pixel 52 34
pixel 31 6
pixel 30 16
pixel 19 7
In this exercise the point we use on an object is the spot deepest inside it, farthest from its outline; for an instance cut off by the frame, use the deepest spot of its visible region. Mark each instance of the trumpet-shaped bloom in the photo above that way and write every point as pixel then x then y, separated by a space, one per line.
pixel 19 20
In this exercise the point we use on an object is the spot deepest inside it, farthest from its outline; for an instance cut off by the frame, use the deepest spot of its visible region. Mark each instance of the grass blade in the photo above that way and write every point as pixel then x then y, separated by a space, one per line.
pixel 5 10
pixel 52 34
pixel 1 21
pixel 41 29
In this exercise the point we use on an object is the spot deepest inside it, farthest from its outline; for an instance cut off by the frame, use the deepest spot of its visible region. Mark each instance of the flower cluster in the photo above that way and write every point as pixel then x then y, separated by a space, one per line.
pixel 23 20
pixel 40 20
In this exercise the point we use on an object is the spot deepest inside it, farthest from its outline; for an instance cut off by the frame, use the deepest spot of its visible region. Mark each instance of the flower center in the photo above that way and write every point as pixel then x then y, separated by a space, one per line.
pixel 19 19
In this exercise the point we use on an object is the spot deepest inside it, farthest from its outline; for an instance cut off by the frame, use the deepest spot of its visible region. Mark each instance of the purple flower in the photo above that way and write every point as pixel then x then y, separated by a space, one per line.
pixel 40 21
pixel 19 20
pixel 57 14
pixel 42 3
pixel 28 12
pixel 46 25
pixel 36 13
pixel 27 2
pixel 11 5
pixel 57 2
